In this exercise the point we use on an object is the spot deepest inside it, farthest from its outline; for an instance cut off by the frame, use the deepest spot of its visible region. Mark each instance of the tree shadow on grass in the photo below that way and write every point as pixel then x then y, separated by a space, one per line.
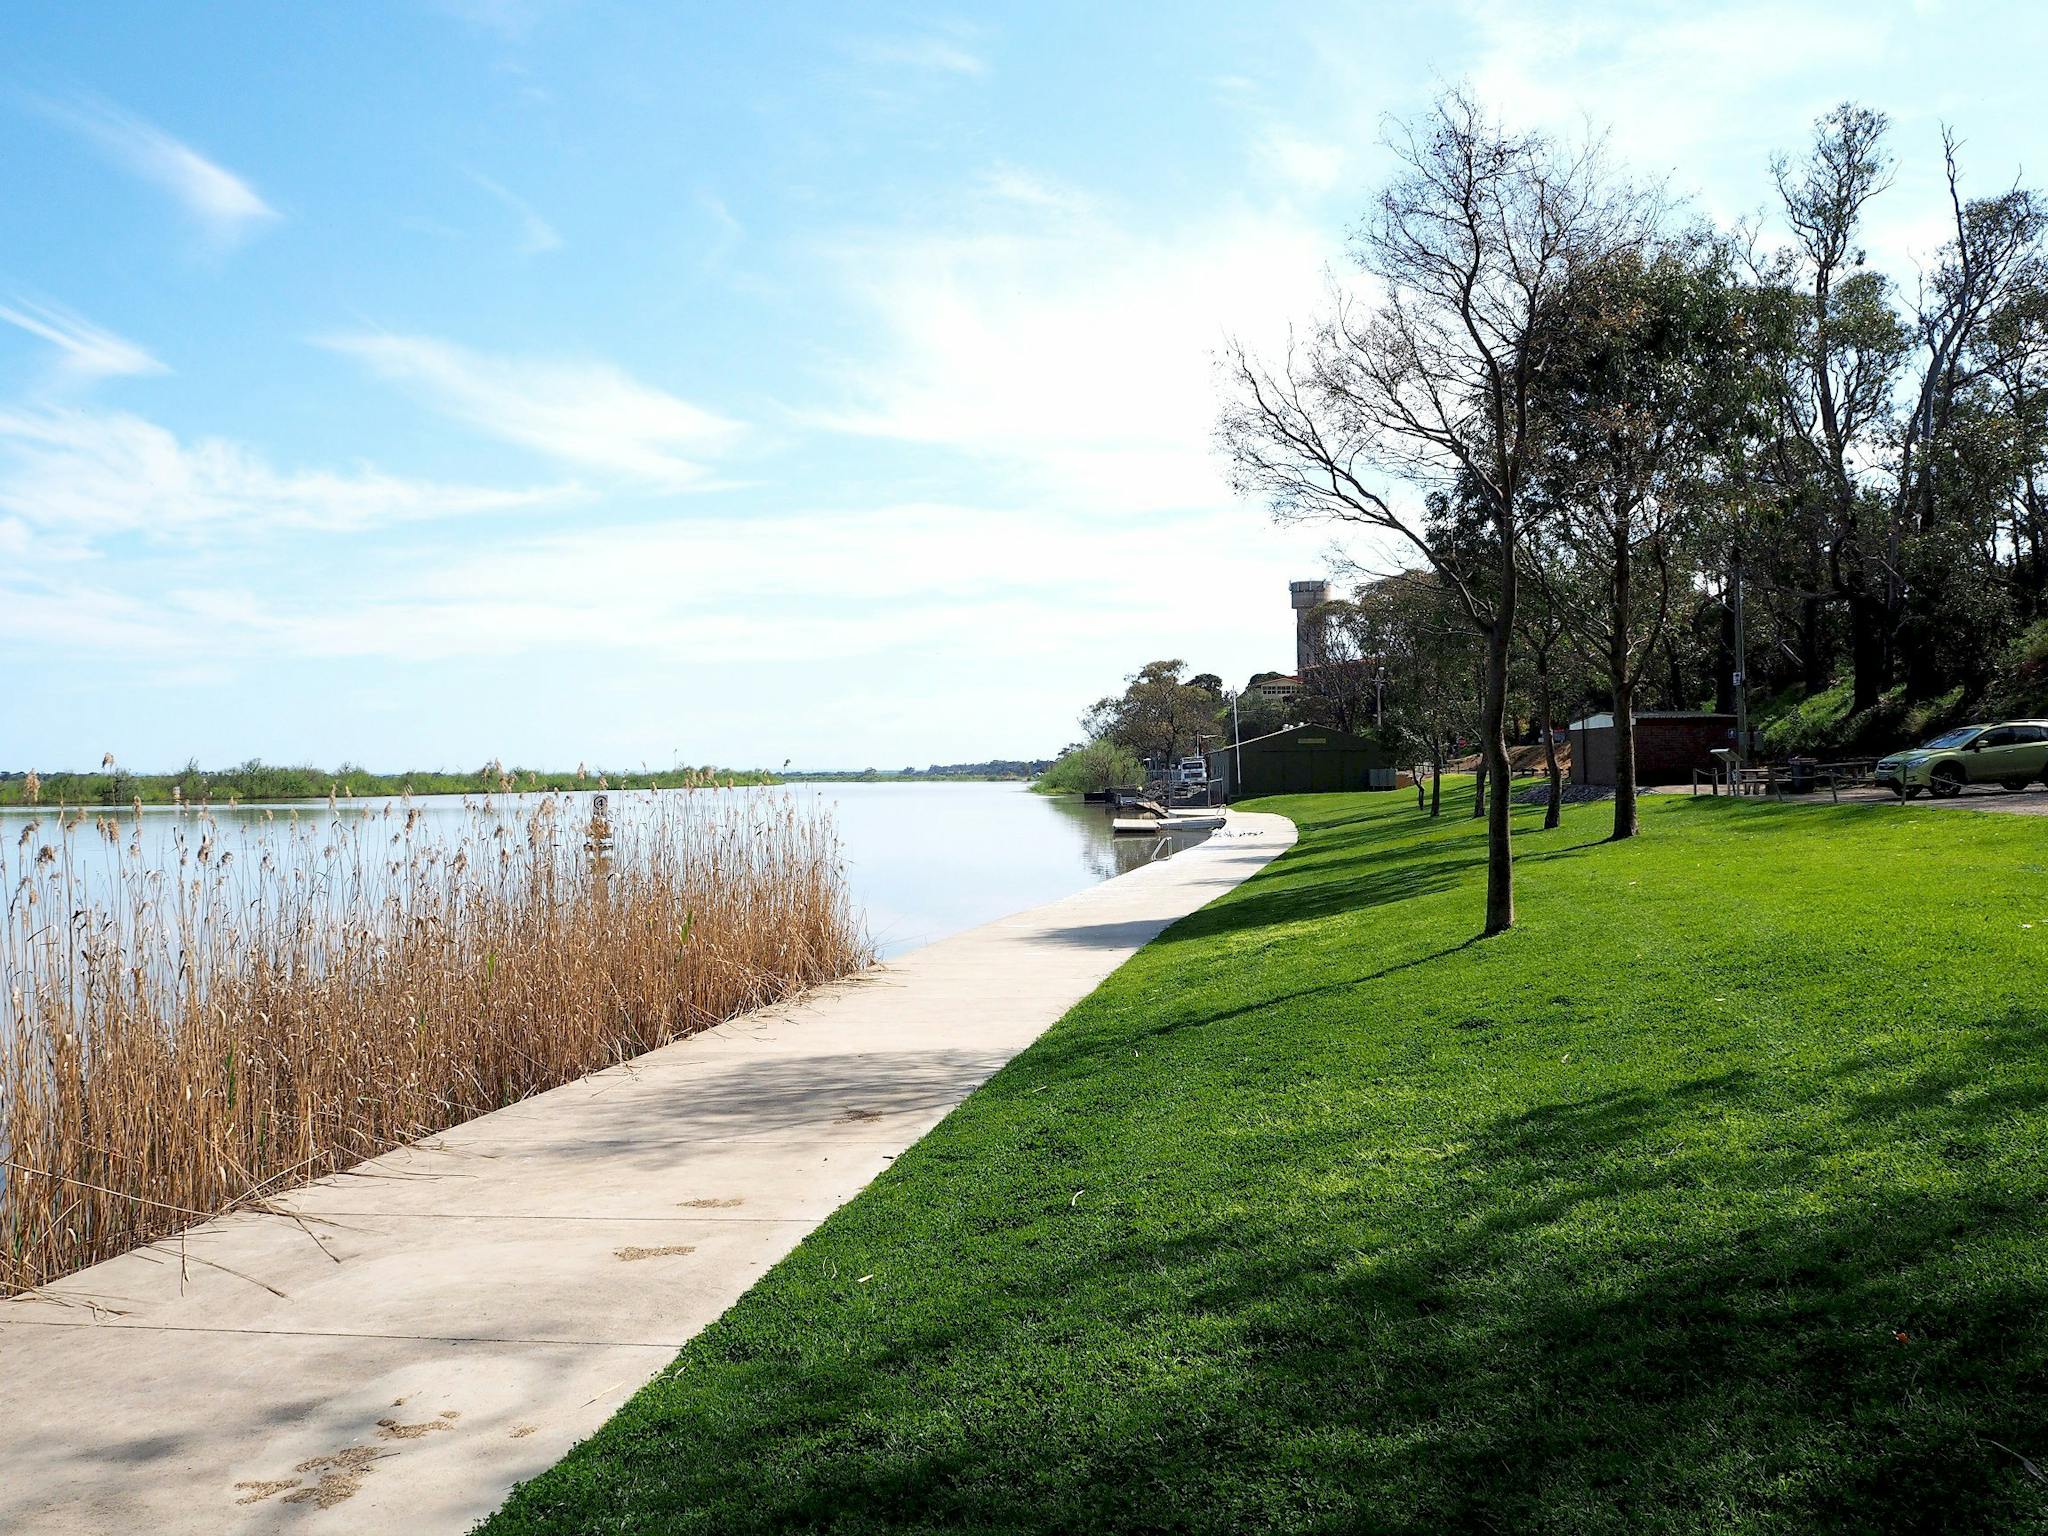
pixel 1718 1303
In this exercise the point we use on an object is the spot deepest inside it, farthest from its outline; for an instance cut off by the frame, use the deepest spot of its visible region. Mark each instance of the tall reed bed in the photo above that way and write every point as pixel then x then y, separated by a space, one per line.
pixel 196 1017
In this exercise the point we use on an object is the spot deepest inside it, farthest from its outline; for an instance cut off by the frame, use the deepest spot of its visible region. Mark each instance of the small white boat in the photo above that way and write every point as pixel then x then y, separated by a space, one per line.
pixel 1159 826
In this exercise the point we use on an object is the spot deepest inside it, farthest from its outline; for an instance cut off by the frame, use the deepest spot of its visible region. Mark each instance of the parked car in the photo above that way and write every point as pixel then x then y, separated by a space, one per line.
pixel 2013 754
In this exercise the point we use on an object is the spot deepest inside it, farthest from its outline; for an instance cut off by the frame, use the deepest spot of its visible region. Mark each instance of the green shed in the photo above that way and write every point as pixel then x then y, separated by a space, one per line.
pixel 1303 759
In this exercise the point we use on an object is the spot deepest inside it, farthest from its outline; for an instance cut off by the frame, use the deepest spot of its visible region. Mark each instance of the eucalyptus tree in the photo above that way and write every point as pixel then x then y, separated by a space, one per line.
pixel 1654 378
pixel 1432 378
pixel 1888 427
pixel 1428 649
pixel 1543 630
pixel 1161 714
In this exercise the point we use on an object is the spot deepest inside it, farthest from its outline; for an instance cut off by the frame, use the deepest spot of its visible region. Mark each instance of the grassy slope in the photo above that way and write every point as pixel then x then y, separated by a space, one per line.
pixel 1709 1199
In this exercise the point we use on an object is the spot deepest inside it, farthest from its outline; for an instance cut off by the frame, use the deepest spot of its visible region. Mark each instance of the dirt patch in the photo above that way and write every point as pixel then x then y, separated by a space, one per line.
pixel 710 1204
pixel 521 1431
pixel 391 1429
pixel 341 1476
pixel 258 1492
pixel 633 1255
pixel 855 1115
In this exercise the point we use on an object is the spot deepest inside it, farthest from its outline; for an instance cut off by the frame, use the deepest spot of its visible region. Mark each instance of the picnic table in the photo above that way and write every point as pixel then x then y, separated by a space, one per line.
pixel 1795 777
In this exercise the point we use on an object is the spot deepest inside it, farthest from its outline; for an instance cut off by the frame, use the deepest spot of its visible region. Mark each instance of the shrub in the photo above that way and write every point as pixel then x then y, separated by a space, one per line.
pixel 1099 765
pixel 2021 686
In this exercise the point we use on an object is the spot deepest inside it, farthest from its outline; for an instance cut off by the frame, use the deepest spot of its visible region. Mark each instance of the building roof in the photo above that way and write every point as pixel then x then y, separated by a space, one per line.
pixel 1605 722
pixel 1328 737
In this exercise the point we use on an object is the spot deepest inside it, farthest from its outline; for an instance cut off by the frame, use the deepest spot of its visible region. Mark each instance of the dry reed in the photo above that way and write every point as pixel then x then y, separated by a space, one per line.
pixel 243 1006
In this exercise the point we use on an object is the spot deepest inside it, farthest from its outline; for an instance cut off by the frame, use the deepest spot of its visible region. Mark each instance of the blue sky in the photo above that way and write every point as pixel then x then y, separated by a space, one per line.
pixel 421 383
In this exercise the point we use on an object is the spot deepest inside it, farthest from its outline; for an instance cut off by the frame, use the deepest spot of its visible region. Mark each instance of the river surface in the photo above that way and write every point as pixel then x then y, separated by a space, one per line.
pixel 928 860
pixel 922 860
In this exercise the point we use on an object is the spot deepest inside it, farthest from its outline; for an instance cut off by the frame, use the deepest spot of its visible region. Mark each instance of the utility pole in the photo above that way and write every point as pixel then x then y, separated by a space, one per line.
pixel 1741 677
pixel 1236 750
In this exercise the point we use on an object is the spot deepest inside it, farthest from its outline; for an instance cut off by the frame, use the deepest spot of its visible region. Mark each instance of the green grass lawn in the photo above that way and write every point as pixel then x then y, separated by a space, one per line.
pixel 1709 1199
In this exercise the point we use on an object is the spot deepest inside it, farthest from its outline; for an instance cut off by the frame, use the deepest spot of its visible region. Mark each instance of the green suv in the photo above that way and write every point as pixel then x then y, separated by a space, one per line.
pixel 2013 754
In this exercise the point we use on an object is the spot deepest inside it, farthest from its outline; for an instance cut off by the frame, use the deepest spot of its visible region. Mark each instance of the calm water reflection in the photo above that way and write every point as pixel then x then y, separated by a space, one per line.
pixel 927 860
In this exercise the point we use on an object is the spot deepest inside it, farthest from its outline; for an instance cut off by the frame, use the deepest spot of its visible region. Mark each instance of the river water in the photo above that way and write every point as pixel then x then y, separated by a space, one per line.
pixel 922 860
pixel 928 860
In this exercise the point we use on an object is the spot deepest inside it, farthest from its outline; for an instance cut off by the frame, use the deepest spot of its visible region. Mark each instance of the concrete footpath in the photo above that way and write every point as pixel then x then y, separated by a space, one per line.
pixel 426 1330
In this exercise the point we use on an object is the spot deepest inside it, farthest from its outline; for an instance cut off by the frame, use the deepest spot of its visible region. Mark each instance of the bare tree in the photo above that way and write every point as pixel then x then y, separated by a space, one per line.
pixel 1432 385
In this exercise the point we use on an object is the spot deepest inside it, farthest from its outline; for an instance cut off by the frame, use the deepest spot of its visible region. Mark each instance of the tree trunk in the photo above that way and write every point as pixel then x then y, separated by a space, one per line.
pixel 1479 788
pixel 1618 658
pixel 1500 873
pixel 1553 808
pixel 1866 650
pixel 1813 652
pixel 1436 785
pixel 1624 760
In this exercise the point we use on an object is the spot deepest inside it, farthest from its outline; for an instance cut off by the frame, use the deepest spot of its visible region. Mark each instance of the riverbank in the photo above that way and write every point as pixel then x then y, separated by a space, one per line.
pixel 264 783
pixel 400 1344
pixel 1705 1200
pixel 229 1004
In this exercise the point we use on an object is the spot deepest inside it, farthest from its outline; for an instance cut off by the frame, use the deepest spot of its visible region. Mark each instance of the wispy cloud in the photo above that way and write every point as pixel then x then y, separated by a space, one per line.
pixel 1050 583
pixel 536 234
pixel 225 206
pixel 512 20
pixel 88 352
pixel 1069 343
pixel 86 475
pixel 936 52
pixel 590 414
pixel 1312 165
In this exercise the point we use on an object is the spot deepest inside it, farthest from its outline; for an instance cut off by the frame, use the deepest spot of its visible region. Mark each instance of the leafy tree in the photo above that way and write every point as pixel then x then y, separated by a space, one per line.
pixel 1160 715
pixel 1649 385
pixel 1429 652
pixel 1248 715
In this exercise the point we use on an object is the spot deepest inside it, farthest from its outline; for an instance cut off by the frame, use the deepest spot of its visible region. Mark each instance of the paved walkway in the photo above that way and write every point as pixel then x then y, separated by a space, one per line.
pixel 1978 797
pixel 449 1319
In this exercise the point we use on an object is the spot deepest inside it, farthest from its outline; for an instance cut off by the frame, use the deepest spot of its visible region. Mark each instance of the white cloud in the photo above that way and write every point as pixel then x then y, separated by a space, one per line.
pixel 89 474
pixel 1072 349
pixel 536 234
pixel 935 52
pixel 1014 584
pixel 1309 164
pixel 589 414
pixel 88 351
pixel 511 20
pixel 224 205
pixel 1678 85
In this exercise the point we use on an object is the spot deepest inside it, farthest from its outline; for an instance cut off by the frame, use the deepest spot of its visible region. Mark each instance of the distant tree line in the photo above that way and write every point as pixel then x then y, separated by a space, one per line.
pixel 256 782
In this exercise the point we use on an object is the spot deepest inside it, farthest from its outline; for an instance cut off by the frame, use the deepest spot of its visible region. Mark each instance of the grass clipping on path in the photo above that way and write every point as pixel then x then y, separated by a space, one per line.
pixel 264 1004
pixel 1709 1199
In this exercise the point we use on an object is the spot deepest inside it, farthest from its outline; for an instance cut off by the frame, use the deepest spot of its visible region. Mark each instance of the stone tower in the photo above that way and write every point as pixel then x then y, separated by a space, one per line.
pixel 1307 596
